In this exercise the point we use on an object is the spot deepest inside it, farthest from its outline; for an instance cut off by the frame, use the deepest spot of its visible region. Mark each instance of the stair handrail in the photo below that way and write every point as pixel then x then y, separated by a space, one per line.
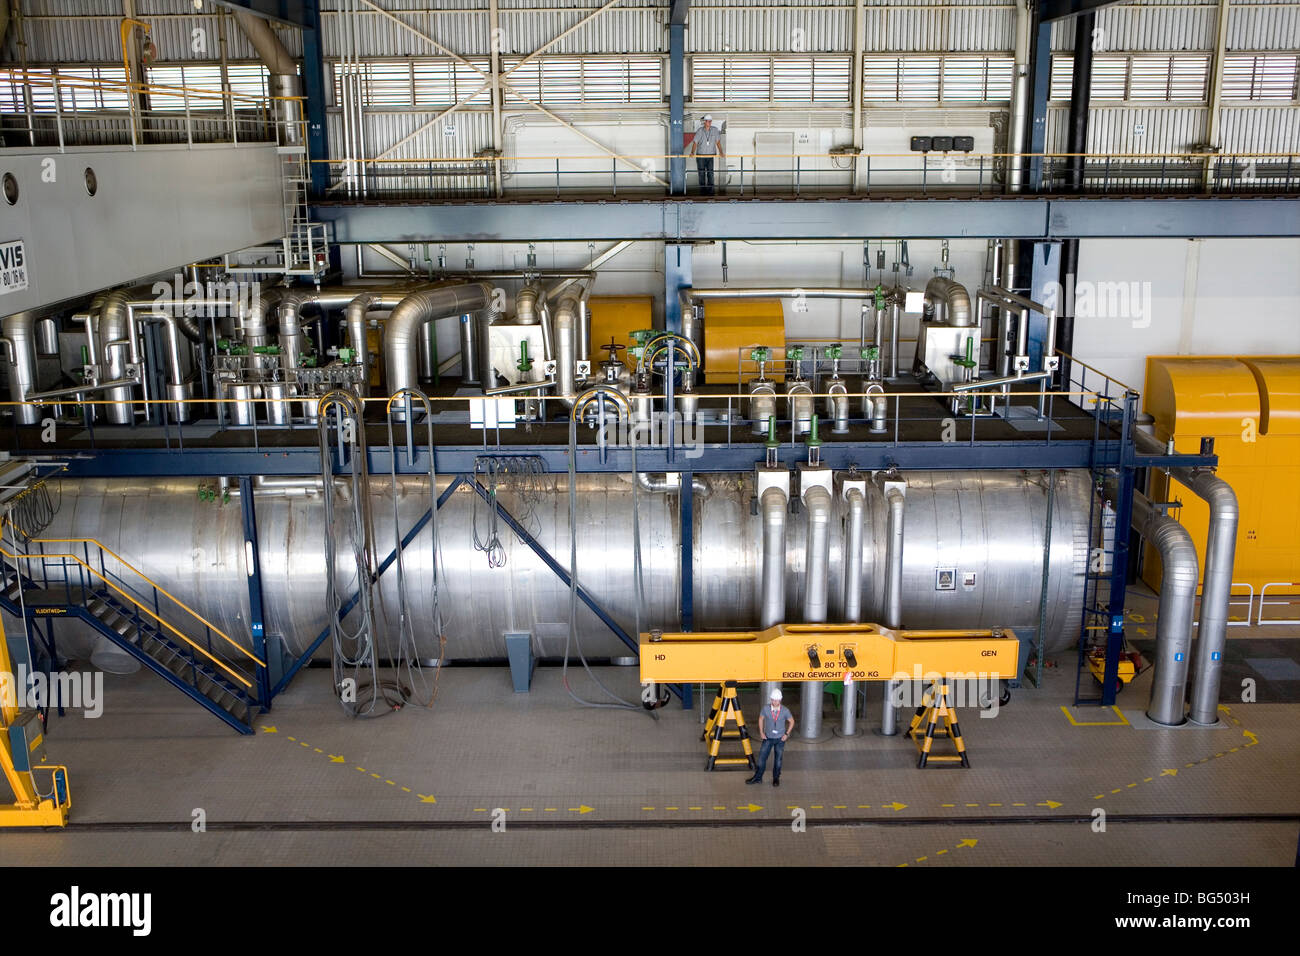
pixel 157 587
pixel 236 675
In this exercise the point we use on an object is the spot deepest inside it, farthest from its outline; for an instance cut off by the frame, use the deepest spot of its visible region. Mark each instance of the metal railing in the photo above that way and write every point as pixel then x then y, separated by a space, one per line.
pixel 81 577
pixel 757 175
pixel 194 116
pixel 1262 603
pixel 722 422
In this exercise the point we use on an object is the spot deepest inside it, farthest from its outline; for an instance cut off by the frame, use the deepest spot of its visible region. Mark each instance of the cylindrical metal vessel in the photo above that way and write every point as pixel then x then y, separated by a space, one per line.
pixel 469 374
pixel 987 526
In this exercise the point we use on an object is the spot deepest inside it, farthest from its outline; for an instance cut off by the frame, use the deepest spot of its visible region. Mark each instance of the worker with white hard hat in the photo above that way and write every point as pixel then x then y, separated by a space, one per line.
pixel 705 146
pixel 775 722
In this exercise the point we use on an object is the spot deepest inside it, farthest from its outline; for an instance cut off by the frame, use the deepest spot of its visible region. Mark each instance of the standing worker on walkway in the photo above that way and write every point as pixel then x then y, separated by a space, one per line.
pixel 774 726
pixel 706 144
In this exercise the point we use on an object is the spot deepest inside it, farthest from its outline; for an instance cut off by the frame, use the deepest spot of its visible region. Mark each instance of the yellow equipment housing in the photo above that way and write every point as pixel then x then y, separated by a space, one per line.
pixel 787 652
pixel 1250 405
pixel 735 325
pixel 617 317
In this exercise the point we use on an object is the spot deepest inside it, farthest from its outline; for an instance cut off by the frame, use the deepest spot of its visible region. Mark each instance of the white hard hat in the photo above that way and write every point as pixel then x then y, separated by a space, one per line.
pixel 708 117
pixel 776 694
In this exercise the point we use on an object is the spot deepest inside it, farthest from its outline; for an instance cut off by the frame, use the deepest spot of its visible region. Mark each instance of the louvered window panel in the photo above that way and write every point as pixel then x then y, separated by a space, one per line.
pixel 919 79
pixel 880 78
pixel 792 79
pixel 1259 77
pixel 387 84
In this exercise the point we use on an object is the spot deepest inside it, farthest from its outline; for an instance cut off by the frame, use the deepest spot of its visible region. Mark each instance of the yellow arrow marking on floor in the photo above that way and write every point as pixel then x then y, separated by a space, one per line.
pixel 582 809
pixel 1169 773
pixel 1253 739
pixel 752 808
pixel 967 843
pixel 896 806
pixel 340 759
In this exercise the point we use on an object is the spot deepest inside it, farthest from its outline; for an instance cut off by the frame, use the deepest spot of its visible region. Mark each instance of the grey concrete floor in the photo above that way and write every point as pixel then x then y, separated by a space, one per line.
pixel 581 786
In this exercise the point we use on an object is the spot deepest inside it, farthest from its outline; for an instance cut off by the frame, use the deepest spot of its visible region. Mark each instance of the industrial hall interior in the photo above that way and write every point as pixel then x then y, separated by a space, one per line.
pixel 521 433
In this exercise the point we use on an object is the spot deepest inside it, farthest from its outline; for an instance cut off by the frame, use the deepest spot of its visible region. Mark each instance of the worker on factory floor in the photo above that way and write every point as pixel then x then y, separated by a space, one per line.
pixel 706 144
pixel 774 725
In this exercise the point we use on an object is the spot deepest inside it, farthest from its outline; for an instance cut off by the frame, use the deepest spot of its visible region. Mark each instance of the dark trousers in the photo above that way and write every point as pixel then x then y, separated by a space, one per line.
pixel 775 747
pixel 704 168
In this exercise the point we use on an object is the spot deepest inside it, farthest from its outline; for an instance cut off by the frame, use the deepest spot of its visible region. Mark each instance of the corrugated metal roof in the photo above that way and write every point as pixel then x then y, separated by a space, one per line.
pixel 70 31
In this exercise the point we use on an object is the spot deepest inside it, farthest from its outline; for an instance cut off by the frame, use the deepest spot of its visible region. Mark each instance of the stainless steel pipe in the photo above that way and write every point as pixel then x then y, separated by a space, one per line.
pixel 1180 573
pixel 1216 591
pixel 773 508
pixel 895 501
pixel 817 503
pixel 852 597
pixel 409 316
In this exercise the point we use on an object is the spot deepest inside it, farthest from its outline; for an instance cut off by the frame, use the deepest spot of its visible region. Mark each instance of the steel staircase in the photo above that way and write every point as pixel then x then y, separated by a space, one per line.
pixel 229 684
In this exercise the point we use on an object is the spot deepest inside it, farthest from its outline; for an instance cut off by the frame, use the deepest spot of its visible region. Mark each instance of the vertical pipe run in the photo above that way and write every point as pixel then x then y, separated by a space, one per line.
pixel 852 597
pixel 1174 618
pixel 817 500
pixel 893 599
pixel 1220 548
pixel 772 593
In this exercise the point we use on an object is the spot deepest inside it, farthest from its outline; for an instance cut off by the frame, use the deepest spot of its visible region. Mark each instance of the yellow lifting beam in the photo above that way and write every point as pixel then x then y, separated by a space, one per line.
pixel 805 652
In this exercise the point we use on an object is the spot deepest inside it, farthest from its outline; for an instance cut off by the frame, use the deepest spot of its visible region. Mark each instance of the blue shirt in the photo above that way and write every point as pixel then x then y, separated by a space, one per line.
pixel 774 727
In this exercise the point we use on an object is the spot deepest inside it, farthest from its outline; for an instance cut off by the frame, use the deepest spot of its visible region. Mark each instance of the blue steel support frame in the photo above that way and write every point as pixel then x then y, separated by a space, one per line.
pixel 351 602
pixel 559 571
pixel 256 614
pixel 1119 561
pixel 1046 269
pixel 678 270
pixel 313 87
pixel 677 97
pixel 1041 77
pixel 687 504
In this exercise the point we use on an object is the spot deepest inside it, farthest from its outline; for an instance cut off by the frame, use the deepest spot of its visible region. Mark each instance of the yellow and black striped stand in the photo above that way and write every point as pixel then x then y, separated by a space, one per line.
pixel 727 708
pixel 929 714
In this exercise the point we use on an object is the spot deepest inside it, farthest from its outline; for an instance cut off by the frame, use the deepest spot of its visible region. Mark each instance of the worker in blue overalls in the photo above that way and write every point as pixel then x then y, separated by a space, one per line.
pixel 705 146
pixel 775 722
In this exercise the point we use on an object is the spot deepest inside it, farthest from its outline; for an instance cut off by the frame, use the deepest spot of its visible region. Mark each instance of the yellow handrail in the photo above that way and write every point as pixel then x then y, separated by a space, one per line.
pixel 225 667
pixel 156 586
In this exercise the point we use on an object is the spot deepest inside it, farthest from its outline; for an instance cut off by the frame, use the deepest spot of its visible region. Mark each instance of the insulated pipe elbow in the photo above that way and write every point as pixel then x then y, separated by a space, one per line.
pixel 19 334
pixel 401 339
pixel 894 566
pixel 955 299
pixel 1177 600
pixel 772 592
pixel 853 558
pixel 817 501
pixel 1220 550
pixel 668 482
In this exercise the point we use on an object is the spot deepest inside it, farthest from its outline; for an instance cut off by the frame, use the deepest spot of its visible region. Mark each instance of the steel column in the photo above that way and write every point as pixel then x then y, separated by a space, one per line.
pixel 678 261
pixel 686 502
pixel 313 87
pixel 1046 269
pixel 1119 561
pixel 1040 68
pixel 677 97
pixel 256 615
